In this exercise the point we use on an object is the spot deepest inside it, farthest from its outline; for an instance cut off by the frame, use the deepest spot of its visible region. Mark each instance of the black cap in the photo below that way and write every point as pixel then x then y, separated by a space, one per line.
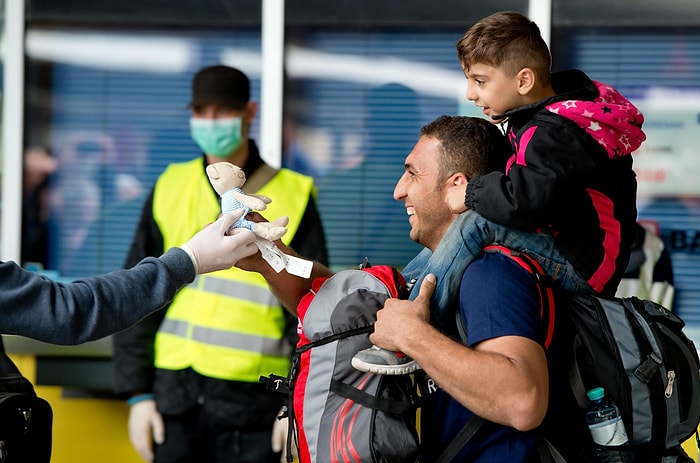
pixel 220 85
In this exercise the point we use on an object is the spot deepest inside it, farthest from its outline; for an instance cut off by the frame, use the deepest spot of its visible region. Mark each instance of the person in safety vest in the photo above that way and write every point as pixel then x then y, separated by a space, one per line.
pixel 191 372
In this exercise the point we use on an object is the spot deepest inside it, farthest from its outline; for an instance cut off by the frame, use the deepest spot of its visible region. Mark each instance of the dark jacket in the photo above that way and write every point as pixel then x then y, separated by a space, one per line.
pixel 89 308
pixel 232 403
pixel 572 173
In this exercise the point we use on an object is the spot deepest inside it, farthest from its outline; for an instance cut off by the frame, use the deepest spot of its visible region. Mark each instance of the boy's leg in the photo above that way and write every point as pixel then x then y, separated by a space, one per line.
pixel 541 247
pixel 462 243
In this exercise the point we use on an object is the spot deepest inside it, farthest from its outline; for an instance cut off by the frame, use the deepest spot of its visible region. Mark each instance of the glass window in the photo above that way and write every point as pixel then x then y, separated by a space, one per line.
pixel 355 103
pixel 111 109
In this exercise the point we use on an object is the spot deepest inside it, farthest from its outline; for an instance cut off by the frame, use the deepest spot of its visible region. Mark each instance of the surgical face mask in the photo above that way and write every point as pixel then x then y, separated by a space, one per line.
pixel 217 137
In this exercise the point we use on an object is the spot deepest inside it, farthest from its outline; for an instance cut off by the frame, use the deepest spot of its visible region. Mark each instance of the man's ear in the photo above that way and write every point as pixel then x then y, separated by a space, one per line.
pixel 526 80
pixel 457 179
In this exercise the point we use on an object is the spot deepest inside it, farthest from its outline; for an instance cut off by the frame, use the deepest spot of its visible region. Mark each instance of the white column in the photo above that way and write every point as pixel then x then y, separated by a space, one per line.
pixel 272 82
pixel 12 131
pixel 540 11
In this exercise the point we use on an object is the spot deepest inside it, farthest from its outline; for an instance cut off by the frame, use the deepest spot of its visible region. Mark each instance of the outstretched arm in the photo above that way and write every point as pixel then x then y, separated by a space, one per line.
pixel 91 308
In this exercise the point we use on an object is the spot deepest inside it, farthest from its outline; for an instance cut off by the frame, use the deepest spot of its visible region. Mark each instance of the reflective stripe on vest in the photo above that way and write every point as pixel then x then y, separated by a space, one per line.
pixel 225 324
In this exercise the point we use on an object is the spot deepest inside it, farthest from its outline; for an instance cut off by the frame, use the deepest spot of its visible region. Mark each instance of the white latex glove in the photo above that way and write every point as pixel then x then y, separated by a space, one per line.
pixel 211 249
pixel 145 427
pixel 279 439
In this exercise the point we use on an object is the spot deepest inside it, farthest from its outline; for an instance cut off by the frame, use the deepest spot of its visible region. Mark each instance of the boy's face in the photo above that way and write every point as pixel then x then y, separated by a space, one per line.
pixel 491 89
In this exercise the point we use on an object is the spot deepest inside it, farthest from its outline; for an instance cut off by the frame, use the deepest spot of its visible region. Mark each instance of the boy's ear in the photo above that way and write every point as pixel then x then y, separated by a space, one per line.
pixel 526 81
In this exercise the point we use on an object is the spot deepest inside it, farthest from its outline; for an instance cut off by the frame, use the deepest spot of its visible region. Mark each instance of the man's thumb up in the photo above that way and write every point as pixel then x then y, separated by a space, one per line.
pixel 427 288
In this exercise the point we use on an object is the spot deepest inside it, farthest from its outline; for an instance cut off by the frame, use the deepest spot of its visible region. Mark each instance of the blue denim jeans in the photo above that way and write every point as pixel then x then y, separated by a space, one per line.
pixel 463 243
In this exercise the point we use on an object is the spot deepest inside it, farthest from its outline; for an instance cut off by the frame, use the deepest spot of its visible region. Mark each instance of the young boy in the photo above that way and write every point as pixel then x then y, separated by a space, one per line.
pixel 570 174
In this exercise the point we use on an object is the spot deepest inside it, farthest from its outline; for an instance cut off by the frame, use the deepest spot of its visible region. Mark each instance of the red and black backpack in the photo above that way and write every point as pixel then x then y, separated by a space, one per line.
pixel 339 413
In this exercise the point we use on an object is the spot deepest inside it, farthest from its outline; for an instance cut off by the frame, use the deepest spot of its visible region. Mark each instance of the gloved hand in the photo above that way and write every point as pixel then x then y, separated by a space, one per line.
pixel 211 249
pixel 145 427
pixel 279 439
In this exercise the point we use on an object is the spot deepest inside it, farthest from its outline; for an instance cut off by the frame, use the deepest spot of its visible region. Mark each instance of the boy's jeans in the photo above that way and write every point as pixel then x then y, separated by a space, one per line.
pixel 463 243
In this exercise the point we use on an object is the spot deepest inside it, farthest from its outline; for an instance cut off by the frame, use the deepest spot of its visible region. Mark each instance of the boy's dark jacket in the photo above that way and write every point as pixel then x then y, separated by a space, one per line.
pixel 571 173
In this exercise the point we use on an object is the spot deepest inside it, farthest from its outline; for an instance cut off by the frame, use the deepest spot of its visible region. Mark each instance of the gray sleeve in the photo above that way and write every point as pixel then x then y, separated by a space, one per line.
pixel 90 308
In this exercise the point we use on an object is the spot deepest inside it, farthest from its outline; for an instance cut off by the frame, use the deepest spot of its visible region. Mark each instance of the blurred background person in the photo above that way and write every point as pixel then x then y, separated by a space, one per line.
pixel 649 274
pixel 39 165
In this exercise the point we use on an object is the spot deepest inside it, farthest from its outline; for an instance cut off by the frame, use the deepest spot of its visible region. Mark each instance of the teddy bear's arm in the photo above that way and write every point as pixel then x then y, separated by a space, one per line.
pixel 263 198
pixel 252 202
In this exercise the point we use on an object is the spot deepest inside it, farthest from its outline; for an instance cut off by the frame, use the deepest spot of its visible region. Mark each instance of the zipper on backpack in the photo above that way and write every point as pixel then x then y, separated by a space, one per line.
pixel 671 375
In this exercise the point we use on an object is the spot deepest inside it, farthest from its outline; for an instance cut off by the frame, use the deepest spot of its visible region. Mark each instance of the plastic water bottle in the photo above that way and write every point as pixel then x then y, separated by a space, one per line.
pixel 607 429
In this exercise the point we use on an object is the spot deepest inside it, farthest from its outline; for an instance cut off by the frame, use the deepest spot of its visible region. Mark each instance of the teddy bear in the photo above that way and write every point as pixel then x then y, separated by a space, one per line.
pixel 227 179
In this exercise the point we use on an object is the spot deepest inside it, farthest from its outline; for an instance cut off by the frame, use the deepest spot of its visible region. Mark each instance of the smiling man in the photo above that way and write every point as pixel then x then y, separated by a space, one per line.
pixel 500 373
pixel 497 301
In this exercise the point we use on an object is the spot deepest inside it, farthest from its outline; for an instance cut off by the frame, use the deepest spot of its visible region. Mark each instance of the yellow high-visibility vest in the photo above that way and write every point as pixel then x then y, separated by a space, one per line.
pixel 225 324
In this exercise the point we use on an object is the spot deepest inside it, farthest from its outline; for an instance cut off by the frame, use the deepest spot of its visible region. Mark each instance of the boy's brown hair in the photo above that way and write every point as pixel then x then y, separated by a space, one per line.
pixel 509 41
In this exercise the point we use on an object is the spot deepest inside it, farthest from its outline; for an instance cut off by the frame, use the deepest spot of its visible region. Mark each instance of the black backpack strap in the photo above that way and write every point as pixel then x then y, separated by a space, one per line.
pixel 334 337
pixel 393 407
pixel 546 451
pixel 463 436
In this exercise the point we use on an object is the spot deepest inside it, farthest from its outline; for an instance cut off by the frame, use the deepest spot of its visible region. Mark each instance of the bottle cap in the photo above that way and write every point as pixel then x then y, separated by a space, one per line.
pixel 596 393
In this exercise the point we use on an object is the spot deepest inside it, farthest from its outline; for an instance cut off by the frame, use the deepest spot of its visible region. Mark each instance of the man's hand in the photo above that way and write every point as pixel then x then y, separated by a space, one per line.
pixel 255 262
pixel 145 427
pixel 212 249
pixel 399 318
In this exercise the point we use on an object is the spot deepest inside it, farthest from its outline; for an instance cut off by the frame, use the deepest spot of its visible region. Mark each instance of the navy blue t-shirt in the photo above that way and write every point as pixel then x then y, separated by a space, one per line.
pixel 497 298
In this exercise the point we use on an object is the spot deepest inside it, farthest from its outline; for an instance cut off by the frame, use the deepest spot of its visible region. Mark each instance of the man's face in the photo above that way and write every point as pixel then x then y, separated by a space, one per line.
pixel 489 88
pixel 423 194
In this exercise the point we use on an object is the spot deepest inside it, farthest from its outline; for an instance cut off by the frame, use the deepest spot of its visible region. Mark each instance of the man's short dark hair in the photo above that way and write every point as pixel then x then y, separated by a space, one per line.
pixel 471 145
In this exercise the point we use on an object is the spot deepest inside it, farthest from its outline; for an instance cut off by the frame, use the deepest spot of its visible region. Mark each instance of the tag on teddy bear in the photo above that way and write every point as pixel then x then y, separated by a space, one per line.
pixel 299 267
pixel 280 261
